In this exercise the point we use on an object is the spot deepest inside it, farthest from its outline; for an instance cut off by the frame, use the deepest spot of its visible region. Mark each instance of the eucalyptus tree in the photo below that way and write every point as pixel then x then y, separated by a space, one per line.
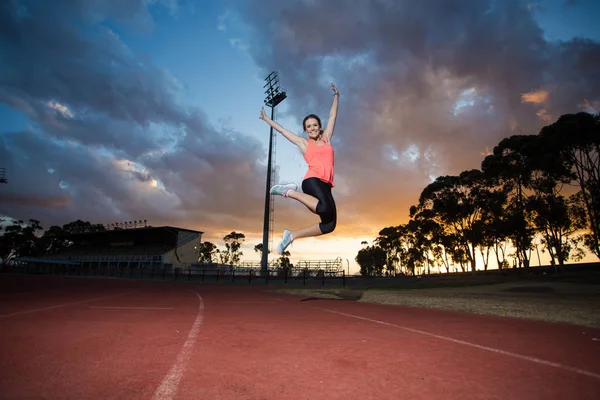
pixel 558 219
pixel 19 240
pixel 508 170
pixel 80 226
pixel 54 240
pixel 207 251
pixel 283 264
pixel 396 243
pixel 443 246
pixel 233 243
pixel 575 138
pixel 388 240
pixel 491 200
pixel 426 235
pixel 456 204
pixel 371 260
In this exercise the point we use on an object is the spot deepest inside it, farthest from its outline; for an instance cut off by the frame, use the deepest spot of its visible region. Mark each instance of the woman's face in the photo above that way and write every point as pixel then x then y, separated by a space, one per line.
pixel 312 127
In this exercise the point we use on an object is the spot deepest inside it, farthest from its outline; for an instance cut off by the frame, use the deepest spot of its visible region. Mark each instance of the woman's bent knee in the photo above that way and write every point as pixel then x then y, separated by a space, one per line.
pixel 327 227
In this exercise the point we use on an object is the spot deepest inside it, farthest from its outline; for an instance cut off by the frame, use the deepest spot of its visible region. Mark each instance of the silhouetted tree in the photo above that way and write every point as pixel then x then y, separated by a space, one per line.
pixel 575 138
pixel 207 251
pixel 233 243
pixel 455 203
pixel 80 226
pixel 389 241
pixel 509 169
pixel 19 240
pixel 371 261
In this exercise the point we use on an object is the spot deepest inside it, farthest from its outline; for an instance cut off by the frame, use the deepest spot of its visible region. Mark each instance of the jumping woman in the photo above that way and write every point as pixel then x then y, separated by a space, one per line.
pixel 318 181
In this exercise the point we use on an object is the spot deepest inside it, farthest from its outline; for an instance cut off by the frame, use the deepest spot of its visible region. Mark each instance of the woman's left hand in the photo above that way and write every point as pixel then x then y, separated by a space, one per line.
pixel 335 90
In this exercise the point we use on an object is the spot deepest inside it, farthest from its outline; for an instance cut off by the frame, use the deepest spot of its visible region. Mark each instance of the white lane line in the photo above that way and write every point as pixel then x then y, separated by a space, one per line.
pixel 250 302
pixel 492 349
pixel 133 308
pixel 63 305
pixel 169 385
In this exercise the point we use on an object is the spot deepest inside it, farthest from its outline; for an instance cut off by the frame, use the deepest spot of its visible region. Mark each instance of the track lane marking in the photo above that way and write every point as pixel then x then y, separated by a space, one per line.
pixel 478 346
pixel 168 388
pixel 63 305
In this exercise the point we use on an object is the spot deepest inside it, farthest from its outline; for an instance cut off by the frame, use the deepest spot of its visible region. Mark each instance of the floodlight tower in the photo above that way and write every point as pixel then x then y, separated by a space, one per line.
pixel 275 95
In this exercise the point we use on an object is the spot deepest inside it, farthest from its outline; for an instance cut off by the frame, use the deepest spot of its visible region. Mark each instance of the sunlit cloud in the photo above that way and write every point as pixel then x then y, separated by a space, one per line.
pixel 60 108
pixel 466 99
pixel 411 153
pixel 544 115
pixel 139 172
pixel 537 97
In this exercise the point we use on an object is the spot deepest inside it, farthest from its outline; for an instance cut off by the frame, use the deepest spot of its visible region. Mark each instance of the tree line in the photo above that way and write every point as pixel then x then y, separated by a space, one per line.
pixel 232 253
pixel 22 239
pixel 533 191
pixel 25 239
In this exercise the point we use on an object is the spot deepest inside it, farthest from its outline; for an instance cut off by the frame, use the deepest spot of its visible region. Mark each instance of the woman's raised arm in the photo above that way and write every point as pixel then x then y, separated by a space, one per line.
pixel 328 132
pixel 291 136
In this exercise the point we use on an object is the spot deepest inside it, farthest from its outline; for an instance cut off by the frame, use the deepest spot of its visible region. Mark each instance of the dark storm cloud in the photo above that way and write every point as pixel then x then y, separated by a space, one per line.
pixel 93 74
pixel 110 140
pixel 426 87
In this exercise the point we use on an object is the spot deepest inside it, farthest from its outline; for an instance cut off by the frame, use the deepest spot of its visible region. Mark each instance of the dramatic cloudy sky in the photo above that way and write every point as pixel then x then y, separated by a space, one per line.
pixel 148 109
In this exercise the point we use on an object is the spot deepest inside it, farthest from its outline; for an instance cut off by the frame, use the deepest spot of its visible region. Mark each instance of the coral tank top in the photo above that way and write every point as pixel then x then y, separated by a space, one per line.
pixel 320 161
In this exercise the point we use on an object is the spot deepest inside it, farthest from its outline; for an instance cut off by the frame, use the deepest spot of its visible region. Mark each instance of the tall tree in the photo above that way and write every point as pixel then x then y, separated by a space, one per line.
pixel 283 264
pixel 509 170
pixel 53 241
pixel 19 240
pixel 576 139
pixel 207 252
pixel 455 203
pixel 371 260
pixel 417 256
pixel 233 243
pixel 558 219
pixel 80 226
pixel 389 241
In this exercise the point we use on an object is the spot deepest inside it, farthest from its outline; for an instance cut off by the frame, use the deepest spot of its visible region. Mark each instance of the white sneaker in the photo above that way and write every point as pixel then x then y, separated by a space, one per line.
pixel 285 242
pixel 282 190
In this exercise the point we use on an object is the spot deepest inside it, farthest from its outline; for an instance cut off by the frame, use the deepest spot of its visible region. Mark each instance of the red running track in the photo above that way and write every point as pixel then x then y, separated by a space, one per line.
pixel 86 338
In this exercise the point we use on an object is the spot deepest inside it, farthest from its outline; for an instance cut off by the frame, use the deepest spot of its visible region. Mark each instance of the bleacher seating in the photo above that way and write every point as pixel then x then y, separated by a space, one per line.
pixel 144 244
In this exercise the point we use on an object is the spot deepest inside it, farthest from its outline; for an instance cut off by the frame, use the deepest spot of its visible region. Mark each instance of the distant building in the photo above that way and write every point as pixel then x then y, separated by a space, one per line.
pixel 138 248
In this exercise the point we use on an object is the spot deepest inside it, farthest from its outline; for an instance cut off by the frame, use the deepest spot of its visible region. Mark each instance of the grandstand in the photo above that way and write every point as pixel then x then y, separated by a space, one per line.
pixel 162 247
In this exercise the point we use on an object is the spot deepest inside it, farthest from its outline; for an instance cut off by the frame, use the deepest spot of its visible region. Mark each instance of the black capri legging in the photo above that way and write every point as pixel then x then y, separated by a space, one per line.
pixel 326 205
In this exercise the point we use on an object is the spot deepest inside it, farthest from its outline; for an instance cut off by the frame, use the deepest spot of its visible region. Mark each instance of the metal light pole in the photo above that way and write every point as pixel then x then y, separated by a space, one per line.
pixel 275 95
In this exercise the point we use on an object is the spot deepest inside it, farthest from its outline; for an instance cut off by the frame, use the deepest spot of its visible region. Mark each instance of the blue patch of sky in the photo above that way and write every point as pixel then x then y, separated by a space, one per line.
pixel 200 50
pixel 465 99
pixel 565 19
pixel 217 77
pixel 12 120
